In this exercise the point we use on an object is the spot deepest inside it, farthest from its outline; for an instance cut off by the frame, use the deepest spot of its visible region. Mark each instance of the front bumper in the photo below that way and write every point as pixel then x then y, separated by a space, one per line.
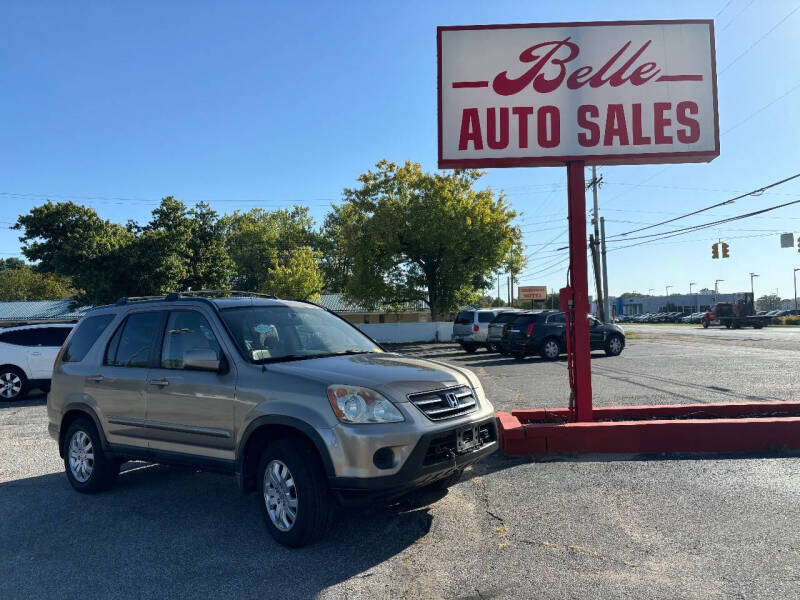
pixel 427 463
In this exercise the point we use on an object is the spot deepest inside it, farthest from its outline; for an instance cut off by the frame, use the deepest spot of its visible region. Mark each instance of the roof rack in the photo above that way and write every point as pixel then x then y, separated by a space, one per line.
pixel 221 293
pixel 196 294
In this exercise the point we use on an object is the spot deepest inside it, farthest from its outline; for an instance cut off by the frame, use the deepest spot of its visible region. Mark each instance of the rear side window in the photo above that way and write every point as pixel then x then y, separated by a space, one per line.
pixel 465 318
pixel 54 336
pixel 485 317
pixel 559 318
pixel 132 344
pixel 89 329
pixel 21 337
pixel 505 318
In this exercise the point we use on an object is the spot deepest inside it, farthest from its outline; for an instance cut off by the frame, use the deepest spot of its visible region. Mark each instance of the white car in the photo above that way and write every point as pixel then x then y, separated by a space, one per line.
pixel 27 355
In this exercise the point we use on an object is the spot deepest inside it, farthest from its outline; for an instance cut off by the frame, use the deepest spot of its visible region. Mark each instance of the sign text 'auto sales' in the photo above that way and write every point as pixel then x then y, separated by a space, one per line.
pixel 606 93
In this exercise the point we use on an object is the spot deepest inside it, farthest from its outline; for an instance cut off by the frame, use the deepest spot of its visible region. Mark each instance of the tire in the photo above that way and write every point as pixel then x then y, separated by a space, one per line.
pixel 614 345
pixel 504 352
pixel 727 324
pixel 470 348
pixel 518 355
pixel 294 464
pixel 705 324
pixel 13 384
pixel 758 325
pixel 551 349
pixel 446 482
pixel 89 469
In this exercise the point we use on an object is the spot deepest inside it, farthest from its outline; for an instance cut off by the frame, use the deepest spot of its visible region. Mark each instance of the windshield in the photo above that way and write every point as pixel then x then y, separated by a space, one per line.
pixel 282 333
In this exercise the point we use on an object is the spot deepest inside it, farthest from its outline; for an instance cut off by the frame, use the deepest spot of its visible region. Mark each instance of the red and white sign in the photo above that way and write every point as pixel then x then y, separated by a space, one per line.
pixel 628 92
pixel 532 292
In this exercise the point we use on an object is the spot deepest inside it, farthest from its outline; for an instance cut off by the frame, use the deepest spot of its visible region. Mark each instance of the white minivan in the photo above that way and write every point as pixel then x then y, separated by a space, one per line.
pixel 471 327
pixel 27 354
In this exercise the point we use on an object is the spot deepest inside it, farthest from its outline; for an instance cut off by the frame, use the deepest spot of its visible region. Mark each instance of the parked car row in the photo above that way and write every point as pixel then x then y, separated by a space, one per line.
pixel 522 333
pixel 662 317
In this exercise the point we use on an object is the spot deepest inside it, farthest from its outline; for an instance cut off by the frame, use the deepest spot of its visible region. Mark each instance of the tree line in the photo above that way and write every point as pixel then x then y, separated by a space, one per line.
pixel 402 235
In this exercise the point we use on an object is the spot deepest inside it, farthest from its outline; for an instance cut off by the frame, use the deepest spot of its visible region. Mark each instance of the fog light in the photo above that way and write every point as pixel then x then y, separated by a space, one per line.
pixel 384 458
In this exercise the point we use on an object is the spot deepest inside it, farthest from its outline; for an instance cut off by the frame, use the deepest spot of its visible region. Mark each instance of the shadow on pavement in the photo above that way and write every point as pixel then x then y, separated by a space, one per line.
pixel 164 531
pixel 35 398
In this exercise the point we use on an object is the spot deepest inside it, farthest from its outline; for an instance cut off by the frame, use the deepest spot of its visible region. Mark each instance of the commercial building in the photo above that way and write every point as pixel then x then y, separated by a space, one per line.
pixel 689 303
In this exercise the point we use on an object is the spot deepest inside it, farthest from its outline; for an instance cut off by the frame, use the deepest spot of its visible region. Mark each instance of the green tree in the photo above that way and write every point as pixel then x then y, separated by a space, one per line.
pixel 769 302
pixel 259 240
pixel 410 235
pixel 70 240
pixel 20 282
pixel 299 277
pixel 210 266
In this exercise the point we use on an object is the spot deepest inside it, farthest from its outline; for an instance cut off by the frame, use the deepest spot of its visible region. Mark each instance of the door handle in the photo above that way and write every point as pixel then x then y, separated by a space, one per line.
pixel 97 378
pixel 161 382
pixel 36 353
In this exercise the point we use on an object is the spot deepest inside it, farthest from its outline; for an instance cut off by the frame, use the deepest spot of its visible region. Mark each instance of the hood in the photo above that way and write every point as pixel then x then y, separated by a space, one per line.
pixel 394 375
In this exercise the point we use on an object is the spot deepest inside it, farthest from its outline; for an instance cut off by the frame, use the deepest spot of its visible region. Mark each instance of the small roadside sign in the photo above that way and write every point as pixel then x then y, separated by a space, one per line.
pixel 532 292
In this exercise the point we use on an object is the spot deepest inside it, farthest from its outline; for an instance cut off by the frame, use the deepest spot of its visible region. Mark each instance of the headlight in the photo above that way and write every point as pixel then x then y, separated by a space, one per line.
pixel 353 404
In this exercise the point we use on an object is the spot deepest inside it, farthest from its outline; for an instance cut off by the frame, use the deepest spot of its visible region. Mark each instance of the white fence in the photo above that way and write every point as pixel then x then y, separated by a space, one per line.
pixel 408 332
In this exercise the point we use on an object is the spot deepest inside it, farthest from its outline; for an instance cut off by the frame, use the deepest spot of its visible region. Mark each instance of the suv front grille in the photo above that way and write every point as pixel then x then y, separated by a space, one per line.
pixel 449 403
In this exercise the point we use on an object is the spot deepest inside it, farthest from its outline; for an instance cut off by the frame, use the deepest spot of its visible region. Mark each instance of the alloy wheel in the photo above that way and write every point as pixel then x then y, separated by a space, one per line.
pixel 551 349
pixel 280 495
pixel 615 345
pixel 81 456
pixel 10 385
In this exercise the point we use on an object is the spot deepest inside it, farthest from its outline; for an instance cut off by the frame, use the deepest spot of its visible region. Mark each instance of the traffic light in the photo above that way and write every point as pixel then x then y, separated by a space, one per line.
pixel 715 251
pixel 725 253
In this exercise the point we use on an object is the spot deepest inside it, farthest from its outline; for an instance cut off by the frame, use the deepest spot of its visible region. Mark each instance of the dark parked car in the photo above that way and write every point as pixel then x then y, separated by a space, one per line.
pixel 544 333
pixel 496 327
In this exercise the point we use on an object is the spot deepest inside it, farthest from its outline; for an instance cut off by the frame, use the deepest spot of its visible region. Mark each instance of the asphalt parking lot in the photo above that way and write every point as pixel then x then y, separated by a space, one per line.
pixel 628 527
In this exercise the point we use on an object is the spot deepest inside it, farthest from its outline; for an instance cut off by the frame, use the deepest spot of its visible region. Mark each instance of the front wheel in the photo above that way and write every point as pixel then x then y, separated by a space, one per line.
pixel 705 324
pixel 614 345
pixel 470 348
pixel 294 494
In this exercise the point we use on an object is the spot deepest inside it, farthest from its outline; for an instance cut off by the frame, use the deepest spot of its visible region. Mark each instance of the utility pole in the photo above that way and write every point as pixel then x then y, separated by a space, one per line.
pixel 752 291
pixel 594 244
pixel 795 288
pixel 716 289
pixel 498 286
pixel 696 308
pixel 605 266
pixel 511 288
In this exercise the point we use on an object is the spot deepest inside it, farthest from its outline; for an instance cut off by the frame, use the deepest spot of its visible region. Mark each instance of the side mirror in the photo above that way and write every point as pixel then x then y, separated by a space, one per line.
pixel 202 359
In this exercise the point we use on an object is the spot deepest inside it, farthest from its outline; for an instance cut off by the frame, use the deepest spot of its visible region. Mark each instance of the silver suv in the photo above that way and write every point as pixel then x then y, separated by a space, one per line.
pixel 294 401
pixel 471 327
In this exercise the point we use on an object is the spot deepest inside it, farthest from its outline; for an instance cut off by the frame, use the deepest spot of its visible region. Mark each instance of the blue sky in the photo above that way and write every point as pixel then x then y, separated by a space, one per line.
pixel 267 104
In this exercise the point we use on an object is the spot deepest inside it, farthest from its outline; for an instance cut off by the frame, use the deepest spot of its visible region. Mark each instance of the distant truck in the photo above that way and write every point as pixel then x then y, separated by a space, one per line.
pixel 734 315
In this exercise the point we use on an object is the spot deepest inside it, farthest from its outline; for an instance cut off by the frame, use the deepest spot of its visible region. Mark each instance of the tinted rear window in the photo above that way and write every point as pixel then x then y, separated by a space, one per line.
pixel 505 318
pixel 485 317
pixel 464 318
pixel 89 329
pixel 21 337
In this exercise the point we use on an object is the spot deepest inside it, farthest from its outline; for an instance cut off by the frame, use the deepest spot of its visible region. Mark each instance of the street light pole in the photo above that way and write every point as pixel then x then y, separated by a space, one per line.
pixel 752 292
pixel 795 288
pixel 690 293
pixel 716 289
pixel 666 306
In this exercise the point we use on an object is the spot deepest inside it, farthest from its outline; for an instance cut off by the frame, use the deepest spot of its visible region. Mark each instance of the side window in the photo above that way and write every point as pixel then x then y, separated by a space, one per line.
pixel 485 317
pixel 186 330
pixel 20 337
pixel 54 336
pixel 557 319
pixel 86 334
pixel 135 343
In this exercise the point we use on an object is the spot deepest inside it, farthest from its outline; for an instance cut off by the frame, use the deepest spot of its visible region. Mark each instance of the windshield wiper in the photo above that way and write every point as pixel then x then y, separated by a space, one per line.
pixel 295 357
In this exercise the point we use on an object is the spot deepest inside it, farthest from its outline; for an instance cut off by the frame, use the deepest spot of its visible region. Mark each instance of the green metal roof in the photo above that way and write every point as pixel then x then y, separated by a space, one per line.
pixel 36 310
pixel 339 304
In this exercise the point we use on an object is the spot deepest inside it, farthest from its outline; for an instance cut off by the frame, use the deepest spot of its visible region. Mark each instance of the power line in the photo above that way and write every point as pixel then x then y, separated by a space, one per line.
pixel 756 192
pixel 759 40
pixel 736 16
pixel 765 107
pixel 681 231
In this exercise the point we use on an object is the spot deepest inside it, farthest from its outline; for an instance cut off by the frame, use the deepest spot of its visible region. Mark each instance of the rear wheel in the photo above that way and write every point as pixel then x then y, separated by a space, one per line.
pixel 294 494
pixel 550 349
pixel 614 345
pixel 705 324
pixel 13 384
pixel 89 469
pixel 470 348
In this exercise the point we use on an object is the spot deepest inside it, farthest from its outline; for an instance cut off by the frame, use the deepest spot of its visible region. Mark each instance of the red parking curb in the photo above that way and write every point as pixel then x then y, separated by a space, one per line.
pixel 732 427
